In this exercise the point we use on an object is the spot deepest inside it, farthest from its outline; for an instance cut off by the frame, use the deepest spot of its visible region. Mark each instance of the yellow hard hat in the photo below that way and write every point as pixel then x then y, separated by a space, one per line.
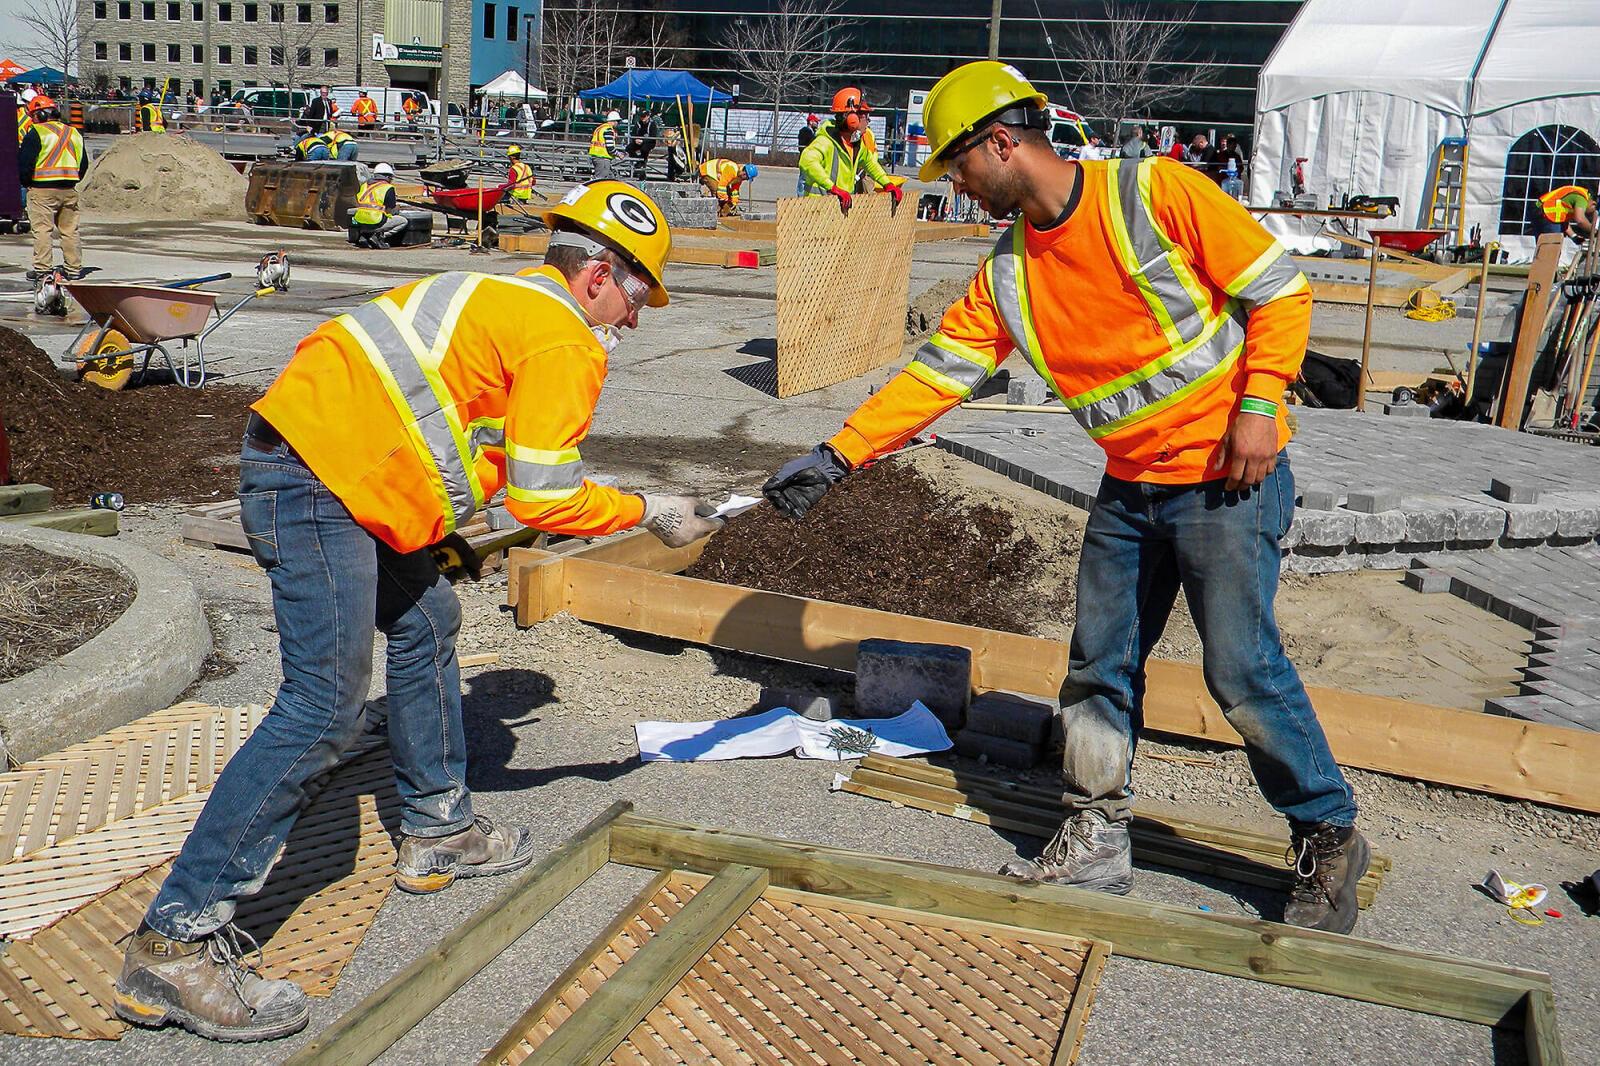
pixel 624 218
pixel 964 98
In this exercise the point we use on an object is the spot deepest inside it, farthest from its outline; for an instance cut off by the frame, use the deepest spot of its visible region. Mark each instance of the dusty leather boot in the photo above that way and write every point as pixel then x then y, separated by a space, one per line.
pixel 1087 852
pixel 1328 860
pixel 206 986
pixel 428 864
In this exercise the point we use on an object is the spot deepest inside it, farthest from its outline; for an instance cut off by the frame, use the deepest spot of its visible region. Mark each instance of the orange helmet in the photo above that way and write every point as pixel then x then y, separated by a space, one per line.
pixel 39 103
pixel 848 100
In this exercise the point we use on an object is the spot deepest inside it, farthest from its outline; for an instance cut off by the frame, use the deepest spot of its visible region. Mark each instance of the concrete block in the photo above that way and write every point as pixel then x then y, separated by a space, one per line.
pixel 1027 388
pixel 1427 580
pixel 1318 498
pixel 1528 522
pixel 998 751
pixel 1407 410
pixel 1011 716
pixel 1373 501
pixel 1428 520
pixel 1477 522
pixel 810 705
pixel 1385 527
pixel 891 674
pixel 1577 513
pixel 1323 561
pixel 1384 556
pixel 1327 529
pixel 1291 539
pixel 1513 491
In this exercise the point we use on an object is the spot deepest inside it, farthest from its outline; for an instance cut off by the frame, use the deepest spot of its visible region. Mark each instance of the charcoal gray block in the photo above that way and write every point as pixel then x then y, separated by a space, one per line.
pixel 998 751
pixel 1373 501
pixel 1385 527
pixel 1528 522
pixel 810 705
pixel 1027 388
pixel 1512 490
pixel 1477 521
pixel 1577 513
pixel 891 674
pixel 1427 580
pixel 1327 529
pixel 1318 498
pixel 1011 716
pixel 1428 520
pixel 1407 410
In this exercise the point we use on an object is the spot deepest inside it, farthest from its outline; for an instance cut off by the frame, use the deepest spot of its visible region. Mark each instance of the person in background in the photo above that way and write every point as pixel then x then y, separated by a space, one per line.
pixel 341 145
pixel 677 158
pixel 320 113
pixel 1201 155
pixel 376 219
pixel 51 161
pixel 413 108
pixel 1230 167
pixel 807 134
pixel 520 177
pixel 1135 147
pixel 365 110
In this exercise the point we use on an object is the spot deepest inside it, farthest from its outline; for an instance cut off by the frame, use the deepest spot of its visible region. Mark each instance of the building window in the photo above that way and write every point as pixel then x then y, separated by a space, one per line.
pixel 197 53
pixel 149 83
pixel 225 54
pixel 330 57
pixel 302 57
pixel 174 12
pixel 330 13
pixel 174 53
pixel 149 53
pixel 250 57
pixel 488 22
pixel 99 9
pixel 511 23
pixel 225 87
pixel 1543 159
pixel 302 12
pixel 147 11
pixel 251 12
pixel 198 87
pixel 224 12
pixel 275 56
pixel 125 52
pixel 125 83
pixel 274 12
pixel 100 49
pixel 125 9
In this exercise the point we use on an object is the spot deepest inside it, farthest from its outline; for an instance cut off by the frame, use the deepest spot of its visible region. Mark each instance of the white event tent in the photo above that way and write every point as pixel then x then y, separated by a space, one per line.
pixel 1365 91
pixel 511 85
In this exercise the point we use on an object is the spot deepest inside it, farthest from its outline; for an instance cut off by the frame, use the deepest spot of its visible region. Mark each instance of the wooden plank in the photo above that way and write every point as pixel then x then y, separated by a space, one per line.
pixel 638 548
pixel 604 1020
pixel 214 525
pixel 94 521
pixel 1465 989
pixel 1082 997
pixel 1336 292
pixel 380 1019
pixel 24 499
pixel 1485 753
pixel 1541 1037
pixel 1536 303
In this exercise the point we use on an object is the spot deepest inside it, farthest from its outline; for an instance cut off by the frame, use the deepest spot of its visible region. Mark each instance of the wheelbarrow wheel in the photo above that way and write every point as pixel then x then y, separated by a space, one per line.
pixel 105 360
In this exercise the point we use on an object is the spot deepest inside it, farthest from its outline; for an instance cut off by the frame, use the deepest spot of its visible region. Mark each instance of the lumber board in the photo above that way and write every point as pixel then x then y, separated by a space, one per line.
pixel 1463 749
pixel 637 548
pixel 1536 300
pixel 1541 1037
pixel 24 499
pixel 1083 998
pixel 1336 292
pixel 594 1030
pixel 214 525
pixel 93 521
pixel 369 1028
pixel 1465 989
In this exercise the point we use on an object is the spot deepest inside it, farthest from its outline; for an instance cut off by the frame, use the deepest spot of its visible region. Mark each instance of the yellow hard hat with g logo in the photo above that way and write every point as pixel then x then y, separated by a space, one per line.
pixel 624 218
pixel 964 98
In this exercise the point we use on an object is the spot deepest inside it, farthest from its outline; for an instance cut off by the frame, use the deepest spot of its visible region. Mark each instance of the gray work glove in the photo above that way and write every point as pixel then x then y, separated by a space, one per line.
pixel 678 520
pixel 797 487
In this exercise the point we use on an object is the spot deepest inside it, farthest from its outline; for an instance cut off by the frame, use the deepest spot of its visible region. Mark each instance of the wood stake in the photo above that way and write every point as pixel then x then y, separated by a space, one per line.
pixel 1536 308
pixel 1477 318
pixel 1366 333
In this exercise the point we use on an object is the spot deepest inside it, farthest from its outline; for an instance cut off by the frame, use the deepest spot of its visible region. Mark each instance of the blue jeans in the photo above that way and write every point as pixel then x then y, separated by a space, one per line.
pixel 1142 543
pixel 317 152
pixel 347 151
pixel 332 583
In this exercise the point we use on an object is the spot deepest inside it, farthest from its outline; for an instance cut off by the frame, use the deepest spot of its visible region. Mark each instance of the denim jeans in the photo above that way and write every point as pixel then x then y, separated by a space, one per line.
pixel 332 584
pixel 347 151
pixel 1142 543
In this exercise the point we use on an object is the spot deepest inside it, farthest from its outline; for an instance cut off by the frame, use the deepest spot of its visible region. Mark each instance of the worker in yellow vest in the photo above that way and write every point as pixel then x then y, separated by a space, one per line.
pixel 521 176
pixel 722 178
pixel 1571 209
pixel 341 145
pixel 312 148
pixel 836 155
pixel 148 119
pixel 375 222
pixel 51 162
pixel 24 123
pixel 603 145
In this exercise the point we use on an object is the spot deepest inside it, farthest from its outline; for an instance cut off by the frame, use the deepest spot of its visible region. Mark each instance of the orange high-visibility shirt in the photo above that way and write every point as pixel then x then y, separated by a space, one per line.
pixel 1094 328
pixel 725 177
pixel 365 110
pixel 514 359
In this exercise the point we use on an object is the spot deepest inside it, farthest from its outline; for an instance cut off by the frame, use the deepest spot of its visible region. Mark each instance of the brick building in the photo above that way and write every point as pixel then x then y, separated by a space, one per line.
pixel 226 45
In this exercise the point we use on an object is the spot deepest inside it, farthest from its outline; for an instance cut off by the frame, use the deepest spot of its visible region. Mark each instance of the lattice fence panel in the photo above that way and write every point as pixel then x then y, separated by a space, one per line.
pixel 843 282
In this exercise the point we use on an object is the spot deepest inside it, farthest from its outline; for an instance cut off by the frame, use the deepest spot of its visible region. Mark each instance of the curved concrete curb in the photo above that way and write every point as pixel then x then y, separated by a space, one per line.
pixel 139 664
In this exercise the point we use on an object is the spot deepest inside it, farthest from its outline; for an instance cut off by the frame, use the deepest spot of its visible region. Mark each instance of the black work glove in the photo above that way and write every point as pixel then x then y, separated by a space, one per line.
pixel 797 487
pixel 455 558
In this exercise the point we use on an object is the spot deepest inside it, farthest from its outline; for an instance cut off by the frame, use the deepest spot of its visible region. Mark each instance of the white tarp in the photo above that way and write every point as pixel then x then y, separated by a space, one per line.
pixel 511 84
pixel 1365 90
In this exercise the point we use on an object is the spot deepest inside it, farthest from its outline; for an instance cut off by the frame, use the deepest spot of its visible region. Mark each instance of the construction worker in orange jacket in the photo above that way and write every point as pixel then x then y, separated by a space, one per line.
pixel 835 157
pixel 365 110
pixel 722 178
pixel 389 429
pixel 1571 209
pixel 1169 323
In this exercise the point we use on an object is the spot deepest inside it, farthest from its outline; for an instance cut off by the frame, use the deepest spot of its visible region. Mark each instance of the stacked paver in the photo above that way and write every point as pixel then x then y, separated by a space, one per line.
pixel 684 203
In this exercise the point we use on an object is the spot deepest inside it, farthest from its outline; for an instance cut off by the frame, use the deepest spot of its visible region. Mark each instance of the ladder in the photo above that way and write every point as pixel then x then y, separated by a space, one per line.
pixel 1447 187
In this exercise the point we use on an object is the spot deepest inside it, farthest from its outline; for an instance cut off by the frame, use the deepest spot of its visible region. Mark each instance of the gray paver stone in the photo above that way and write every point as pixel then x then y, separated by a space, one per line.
pixel 1027 388
pixel 890 674
pixel 998 750
pixel 1385 527
pixel 1407 410
pixel 1327 529
pixel 1372 501
pixel 1514 490
pixel 1528 521
pixel 1427 579
pixel 1477 522
pixel 810 705
pixel 1011 716
pixel 1318 498
pixel 1428 519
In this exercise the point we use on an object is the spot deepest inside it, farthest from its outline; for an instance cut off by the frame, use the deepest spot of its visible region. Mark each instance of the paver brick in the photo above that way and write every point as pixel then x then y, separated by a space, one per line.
pixel 1011 716
pixel 891 674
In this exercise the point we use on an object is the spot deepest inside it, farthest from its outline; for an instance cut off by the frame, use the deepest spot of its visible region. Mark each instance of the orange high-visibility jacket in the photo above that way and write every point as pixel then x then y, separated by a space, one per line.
pixel 1559 205
pixel 365 109
pixel 1151 311
pixel 724 176
pixel 418 406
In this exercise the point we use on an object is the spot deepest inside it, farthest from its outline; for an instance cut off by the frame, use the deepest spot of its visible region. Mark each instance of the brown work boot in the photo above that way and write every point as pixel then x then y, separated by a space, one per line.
pixel 428 864
pixel 1328 860
pixel 206 986
pixel 1088 851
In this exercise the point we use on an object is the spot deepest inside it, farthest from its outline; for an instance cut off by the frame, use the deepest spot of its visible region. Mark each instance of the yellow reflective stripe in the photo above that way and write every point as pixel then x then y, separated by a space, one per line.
pixel 1175 255
pixel 1167 401
pixel 1144 373
pixel 1295 284
pixel 1250 273
pixel 542 456
pixel 1025 301
pixel 486 432
pixel 430 368
pixel 397 398
pixel 1130 255
pixel 541 495
pixel 943 382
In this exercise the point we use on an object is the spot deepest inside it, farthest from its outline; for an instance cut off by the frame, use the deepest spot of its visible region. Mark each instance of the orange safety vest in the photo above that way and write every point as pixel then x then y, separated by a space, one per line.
pixel 370 199
pixel 418 406
pixel 1151 312
pixel 724 176
pixel 521 180
pixel 365 111
pixel 60 152
pixel 1557 211
pixel 410 106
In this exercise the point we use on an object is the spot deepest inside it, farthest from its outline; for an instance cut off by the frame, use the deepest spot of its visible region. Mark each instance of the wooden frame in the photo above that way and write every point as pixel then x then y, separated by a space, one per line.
pixel 1463 749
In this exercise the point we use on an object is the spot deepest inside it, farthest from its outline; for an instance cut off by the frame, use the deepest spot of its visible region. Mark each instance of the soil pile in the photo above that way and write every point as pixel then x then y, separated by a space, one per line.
pixel 159 442
pixel 886 538
pixel 50 605
pixel 162 176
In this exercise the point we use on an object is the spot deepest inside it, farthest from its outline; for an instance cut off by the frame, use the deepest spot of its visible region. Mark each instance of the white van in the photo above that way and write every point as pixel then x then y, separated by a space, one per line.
pixel 390 101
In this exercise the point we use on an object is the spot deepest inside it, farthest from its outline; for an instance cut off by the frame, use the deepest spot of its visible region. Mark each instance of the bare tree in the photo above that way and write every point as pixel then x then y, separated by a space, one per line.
pixel 292 44
pixel 1133 63
pixel 52 26
pixel 659 37
pixel 792 52
pixel 580 48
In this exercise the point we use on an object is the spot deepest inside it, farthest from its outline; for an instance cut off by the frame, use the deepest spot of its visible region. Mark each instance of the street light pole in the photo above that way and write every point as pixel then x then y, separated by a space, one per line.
pixel 994 30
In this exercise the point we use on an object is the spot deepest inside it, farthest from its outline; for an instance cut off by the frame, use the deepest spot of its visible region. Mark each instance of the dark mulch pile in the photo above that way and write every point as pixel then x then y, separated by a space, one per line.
pixel 155 443
pixel 50 605
pixel 886 538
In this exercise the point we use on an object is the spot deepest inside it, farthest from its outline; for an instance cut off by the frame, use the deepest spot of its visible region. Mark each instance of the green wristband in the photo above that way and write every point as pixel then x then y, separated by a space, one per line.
pixel 1254 405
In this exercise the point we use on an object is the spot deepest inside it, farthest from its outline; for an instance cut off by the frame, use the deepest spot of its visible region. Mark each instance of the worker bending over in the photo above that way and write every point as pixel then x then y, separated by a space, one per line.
pixel 836 155
pixel 520 177
pixel 389 429
pixel 51 161
pixel 341 145
pixel 1169 323
pixel 1570 209
pixel 376 222
pixel 722 178
pixel 603 145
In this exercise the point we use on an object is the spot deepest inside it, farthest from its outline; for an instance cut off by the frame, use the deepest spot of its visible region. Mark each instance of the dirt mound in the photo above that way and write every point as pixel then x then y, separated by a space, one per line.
pixel 154 443
pixel 161 176
pixel 886 538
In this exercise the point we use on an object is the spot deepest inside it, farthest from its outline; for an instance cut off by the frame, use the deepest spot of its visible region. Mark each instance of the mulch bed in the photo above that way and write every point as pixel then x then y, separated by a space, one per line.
pixel 152 444
pixel 886 538
pixel 50 605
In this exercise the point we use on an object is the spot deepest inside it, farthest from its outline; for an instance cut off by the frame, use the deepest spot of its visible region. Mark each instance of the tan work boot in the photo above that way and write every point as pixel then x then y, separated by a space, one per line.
pixel 206 986
pixel 428 864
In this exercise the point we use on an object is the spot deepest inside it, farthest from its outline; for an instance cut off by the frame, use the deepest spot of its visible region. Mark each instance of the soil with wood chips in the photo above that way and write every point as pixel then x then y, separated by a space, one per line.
pixel 50 605
pixel 886 538
pixel 155 443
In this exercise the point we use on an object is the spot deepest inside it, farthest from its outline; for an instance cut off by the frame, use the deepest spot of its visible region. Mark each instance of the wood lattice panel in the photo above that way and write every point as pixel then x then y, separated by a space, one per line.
pixel 310 916
pixel 843 281
pixel 801 978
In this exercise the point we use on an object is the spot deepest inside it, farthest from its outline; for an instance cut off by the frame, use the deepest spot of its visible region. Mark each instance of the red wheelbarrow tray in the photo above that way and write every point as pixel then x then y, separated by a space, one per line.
pixel 466 200
pixel 146 313
pixel 1408 240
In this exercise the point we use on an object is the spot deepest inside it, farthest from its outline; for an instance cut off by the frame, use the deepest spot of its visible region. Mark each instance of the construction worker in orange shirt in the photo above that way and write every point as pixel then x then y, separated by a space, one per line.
pixel 836 155
pixel 722 178
pixel 389 429
pixel 1169 323
pixel 1571 210
pixel 365 110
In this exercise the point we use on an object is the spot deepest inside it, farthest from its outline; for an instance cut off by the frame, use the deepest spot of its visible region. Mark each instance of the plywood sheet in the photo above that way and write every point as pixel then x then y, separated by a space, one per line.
pixel 843 281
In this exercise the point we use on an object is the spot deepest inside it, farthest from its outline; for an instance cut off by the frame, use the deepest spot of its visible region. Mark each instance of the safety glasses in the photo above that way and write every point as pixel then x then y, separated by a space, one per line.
pixel 634 290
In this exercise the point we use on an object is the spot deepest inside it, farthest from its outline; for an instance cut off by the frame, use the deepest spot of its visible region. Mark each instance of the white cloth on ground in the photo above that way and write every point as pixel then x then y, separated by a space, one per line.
pixel 781 731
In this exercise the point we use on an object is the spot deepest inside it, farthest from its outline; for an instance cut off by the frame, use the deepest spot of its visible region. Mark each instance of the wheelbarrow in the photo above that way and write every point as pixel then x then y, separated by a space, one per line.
pixel 1410 241
pixel 465 205
pixel 130 320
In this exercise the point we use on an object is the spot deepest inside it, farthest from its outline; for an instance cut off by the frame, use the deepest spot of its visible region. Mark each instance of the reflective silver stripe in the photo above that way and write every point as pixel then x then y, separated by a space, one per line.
pixel 1007 298
pixel 486 436
pixel 1155 260
pixel 1162 388
pixel 1271 282
pixel 542 477
pixel 958 369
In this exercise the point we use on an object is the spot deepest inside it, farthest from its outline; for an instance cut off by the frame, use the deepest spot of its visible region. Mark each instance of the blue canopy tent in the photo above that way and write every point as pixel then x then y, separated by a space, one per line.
pixel 40 76
pixel 658 87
